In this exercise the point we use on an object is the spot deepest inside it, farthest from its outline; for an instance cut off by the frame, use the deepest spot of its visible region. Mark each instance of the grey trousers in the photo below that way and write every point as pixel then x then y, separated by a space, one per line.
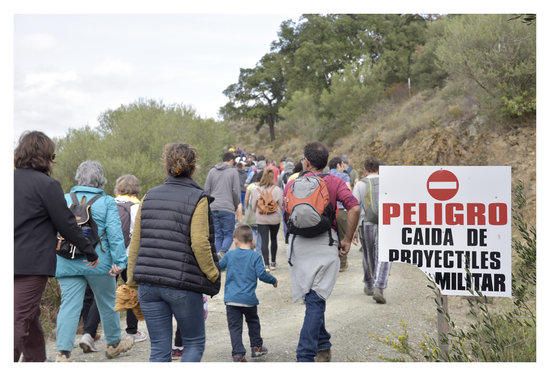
pixel 375 273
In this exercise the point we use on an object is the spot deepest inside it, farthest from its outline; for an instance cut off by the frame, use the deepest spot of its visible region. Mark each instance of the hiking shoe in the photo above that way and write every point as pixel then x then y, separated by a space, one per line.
pixel 368 290
pixel 273 266
pixel 125 344
pixel 378 295
pixel 60 357
pixel 239 358
pixel 258 351
pixel 138 336
pixel 323 356
pixel 177 352
pixel 87 343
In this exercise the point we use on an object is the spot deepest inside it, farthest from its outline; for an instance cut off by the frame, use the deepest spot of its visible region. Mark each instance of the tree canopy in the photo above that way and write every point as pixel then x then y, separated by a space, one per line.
pixel 130 140
pixel 343 64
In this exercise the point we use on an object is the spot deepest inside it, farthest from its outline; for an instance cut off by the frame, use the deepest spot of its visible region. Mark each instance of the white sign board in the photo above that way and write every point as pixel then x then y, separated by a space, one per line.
pixel 447 221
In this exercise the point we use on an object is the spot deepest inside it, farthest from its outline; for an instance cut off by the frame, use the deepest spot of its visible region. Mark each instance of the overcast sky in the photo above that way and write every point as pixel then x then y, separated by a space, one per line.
pixel 69 69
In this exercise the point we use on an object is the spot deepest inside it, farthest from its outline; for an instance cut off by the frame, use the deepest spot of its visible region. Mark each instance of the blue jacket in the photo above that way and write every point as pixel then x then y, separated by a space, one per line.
pixel 244 267
pixel 105 215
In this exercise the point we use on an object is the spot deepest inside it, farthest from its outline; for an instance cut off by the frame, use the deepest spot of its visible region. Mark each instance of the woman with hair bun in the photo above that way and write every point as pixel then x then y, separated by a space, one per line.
pixel 172 257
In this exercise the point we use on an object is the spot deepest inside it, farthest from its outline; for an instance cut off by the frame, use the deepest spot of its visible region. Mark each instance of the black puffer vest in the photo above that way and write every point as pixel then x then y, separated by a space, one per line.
pixel 165 255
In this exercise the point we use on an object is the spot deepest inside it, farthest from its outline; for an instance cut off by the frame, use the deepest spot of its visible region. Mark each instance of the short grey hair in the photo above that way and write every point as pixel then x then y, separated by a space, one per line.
pixel 90 174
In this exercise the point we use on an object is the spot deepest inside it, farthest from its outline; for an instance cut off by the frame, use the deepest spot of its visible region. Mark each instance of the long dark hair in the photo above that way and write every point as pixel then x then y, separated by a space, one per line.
pixel 35 150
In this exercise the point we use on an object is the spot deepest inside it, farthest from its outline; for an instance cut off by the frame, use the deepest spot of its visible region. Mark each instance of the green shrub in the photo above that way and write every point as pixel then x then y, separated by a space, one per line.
pixel 455 111
pixel 496 53
pixel 131 138
pixel 301 115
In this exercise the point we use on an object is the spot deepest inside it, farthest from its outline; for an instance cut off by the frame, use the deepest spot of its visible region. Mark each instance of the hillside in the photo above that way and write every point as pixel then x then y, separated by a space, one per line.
pixel 444 130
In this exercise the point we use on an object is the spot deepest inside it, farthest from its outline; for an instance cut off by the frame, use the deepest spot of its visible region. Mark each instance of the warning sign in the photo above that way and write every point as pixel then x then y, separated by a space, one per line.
pixel 454 223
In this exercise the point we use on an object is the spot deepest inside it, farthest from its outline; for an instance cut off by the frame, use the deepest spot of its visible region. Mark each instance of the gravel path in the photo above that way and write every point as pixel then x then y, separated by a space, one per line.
pixel 353 319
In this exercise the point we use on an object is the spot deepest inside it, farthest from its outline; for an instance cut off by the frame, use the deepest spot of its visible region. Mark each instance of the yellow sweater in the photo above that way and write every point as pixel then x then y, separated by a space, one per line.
pixel 200 232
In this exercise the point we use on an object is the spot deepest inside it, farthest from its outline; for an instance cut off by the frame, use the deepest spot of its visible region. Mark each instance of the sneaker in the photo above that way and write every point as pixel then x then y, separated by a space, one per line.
pixel 273 265
pixel 378 295
pixel 239 358
pixel 267 269
pixel 139 336
pixel 323 356
pixel 60 357
pixel 125 344
pixel 87 343
pixel 177 352
pixel 368 290
pixel 258 351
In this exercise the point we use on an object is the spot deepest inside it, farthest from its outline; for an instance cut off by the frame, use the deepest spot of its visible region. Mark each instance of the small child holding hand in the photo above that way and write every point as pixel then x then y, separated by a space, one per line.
pixel 244 268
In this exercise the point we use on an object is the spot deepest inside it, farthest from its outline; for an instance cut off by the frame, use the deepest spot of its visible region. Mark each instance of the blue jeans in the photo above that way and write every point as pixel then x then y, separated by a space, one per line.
pixel 158 305
pixel 224 224
pixel 257 239
pixel 313 336
pixel 242 198
pixel 72 299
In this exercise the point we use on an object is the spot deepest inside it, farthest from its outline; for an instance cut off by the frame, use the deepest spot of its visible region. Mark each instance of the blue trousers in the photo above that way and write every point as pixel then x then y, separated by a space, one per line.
pixel 257 239
pixel 313 336
pixel 158 305
pixel 72 298
pixel 235 323
pixel 224 224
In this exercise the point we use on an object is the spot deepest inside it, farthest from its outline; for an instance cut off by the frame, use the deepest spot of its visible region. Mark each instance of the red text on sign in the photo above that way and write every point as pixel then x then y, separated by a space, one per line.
pixel 450 214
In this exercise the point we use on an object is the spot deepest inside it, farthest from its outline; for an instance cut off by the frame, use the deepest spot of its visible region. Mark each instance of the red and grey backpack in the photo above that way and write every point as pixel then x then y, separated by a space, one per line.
pixel 308 211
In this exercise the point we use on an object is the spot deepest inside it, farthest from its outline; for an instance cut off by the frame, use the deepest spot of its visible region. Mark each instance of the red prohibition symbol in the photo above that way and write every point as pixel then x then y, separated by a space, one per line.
pixel 442 185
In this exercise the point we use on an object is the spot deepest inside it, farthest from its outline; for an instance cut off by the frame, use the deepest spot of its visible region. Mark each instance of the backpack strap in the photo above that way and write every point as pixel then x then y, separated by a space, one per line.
pixel 291 249
pixel 89 204
pixel 74 200
pixel 92 200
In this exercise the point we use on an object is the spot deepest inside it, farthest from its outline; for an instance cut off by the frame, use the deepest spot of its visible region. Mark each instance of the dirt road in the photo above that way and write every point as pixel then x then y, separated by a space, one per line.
pixel 352 318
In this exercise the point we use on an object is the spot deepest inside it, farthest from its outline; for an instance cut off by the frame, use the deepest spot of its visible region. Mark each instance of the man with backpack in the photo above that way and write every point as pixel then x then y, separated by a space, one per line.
pixel 310 203
pixel 375 273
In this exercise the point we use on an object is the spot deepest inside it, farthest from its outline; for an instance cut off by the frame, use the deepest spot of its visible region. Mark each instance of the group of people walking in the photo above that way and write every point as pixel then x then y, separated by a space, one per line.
pixel 171 247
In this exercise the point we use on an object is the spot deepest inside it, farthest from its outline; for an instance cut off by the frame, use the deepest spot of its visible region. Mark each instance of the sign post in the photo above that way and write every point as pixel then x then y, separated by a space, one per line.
pixel 454 223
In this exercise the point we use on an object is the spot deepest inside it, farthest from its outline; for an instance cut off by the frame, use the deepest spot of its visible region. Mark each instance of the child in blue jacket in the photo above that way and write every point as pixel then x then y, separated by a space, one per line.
pixel 244 268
